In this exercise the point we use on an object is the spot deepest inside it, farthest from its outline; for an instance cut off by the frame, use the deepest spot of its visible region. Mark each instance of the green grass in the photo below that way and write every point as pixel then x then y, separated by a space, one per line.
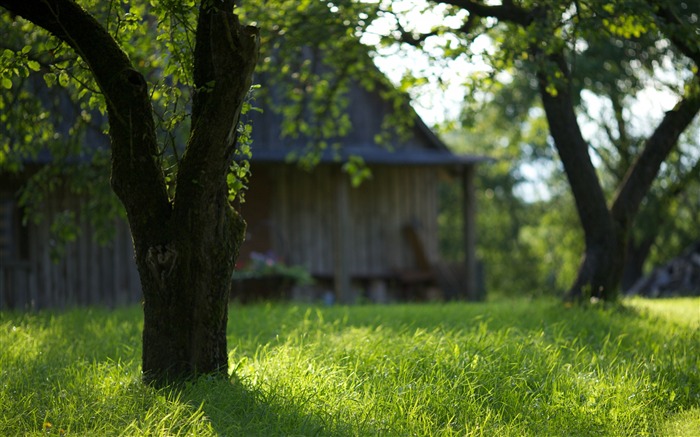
pixel 506 368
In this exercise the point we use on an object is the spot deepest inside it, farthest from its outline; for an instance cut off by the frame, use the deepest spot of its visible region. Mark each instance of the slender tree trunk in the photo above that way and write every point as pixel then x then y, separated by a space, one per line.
pixel 601 265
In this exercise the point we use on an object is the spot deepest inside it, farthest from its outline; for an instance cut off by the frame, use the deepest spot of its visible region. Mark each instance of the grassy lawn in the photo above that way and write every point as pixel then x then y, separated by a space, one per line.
pixel 505 368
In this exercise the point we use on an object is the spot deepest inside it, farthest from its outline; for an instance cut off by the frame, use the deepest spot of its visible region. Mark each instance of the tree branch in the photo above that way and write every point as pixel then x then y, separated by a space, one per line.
pixel 225 57
pixel 507 12
pixel 70 23
pixel 136 177
pixel 642 173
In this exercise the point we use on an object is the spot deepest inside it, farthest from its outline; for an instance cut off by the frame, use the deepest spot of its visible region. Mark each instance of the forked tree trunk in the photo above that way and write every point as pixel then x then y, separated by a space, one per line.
pixel 606 229
pixel 186 278
pixel 185 247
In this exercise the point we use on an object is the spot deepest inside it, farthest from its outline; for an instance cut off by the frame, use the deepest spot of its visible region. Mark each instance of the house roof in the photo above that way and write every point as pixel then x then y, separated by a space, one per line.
pixel 366 110
pixel 433 151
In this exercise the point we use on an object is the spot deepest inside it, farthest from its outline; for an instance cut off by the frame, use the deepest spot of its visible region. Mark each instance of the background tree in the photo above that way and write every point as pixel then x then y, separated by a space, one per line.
pixel 620 132
pixel 509 124
pixel 546 42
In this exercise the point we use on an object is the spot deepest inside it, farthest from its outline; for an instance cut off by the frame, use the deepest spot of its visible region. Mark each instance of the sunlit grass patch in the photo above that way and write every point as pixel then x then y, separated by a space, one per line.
pixel 682 311
pixel 513 368
pixel 683 423
pixel 508 368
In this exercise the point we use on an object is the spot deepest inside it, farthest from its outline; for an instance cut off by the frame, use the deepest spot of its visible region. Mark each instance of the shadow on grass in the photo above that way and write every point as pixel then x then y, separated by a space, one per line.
pixel 234 409
pixel 62 362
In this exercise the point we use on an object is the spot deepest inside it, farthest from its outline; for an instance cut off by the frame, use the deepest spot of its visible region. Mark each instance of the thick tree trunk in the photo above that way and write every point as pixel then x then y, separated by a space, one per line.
pixel 185 247
pixel 186 288
pixel 188 276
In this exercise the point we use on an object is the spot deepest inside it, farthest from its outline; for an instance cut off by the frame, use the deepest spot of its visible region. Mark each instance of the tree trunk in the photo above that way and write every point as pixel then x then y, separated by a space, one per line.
pixel 186 294
pixel 606 229
pixel 600 268
pixel 185 247
pixel 186 279
pixel 637 254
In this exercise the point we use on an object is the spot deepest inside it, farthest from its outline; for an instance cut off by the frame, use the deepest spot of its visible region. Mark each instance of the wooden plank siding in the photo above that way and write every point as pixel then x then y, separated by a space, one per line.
pixel 87 274
pixel 303 209
pixel 290 212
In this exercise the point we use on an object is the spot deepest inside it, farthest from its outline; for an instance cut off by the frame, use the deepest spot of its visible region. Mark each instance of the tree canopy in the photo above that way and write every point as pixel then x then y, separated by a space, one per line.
pixel 56 109
pixel 555 72
pixel 560 51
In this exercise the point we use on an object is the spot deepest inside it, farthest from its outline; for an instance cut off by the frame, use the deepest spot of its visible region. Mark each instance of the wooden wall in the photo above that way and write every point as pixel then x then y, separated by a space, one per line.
pixel 88 274
pixel 290 211
pixel 303 212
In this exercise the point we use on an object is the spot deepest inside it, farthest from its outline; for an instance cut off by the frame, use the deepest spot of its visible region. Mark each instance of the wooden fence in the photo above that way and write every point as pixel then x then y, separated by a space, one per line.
pixel 86 274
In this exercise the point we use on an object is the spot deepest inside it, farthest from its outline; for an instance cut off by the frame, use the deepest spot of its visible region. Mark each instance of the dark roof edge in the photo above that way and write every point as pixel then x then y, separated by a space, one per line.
pixel 377 157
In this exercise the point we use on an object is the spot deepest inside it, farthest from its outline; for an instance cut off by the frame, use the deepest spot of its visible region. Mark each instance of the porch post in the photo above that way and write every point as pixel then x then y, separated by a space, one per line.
pixel 469 229
pixel 341 235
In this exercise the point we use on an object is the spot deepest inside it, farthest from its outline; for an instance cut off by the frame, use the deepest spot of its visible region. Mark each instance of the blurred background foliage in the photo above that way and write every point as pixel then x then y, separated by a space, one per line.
pixel 529 236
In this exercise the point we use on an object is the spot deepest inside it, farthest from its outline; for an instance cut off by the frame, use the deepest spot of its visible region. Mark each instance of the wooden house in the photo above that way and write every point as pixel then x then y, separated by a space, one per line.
pixel 382 235
pixel 378 237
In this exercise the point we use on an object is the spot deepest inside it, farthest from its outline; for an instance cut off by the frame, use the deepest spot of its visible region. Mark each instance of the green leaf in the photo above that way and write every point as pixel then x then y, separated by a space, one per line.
pixel 50 79
pixel 33 65
pixel 63 79
pixel 6 83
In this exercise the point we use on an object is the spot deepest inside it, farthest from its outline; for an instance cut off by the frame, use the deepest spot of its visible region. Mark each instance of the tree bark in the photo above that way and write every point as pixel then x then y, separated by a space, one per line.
pixel 601 266
pixel 185 248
